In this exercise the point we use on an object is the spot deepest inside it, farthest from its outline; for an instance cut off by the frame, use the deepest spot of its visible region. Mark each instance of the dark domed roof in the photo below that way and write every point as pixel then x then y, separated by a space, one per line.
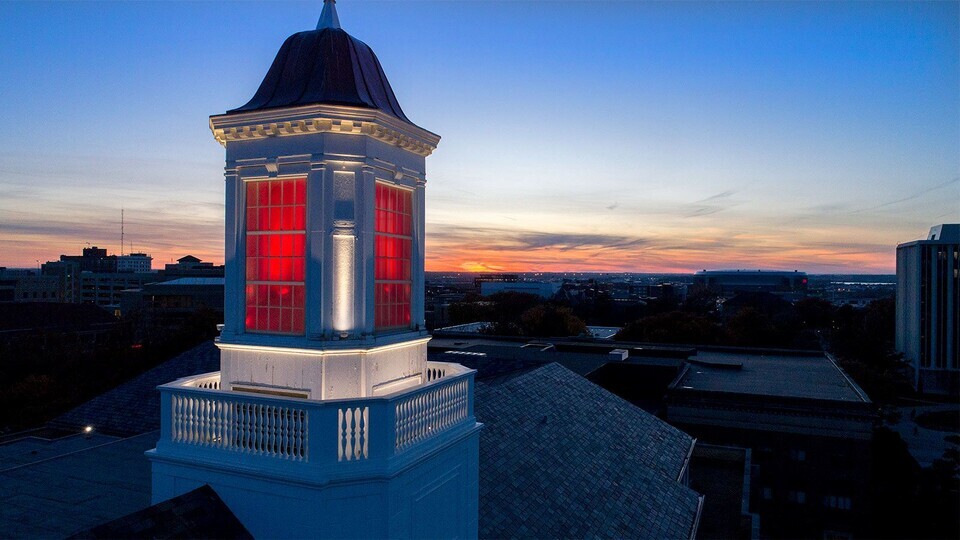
pixel 329 66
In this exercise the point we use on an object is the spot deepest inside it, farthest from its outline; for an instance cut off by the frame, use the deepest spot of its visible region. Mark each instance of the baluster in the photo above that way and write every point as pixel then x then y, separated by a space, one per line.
pixel 202 422
pixel 281 431
pixel 293 433
pixel 194 406
pixel 242 426
pixel 260 432
pixel 275 431
pixel 296 434
pixel 227 434
pixel 224 406
pixel 264 429
pixel 278 431
pixel 404 422
pixel 282 435
pixel 444 416
pixel 187 406
pixel 205 425
pixel 340 434
pixel 202 413
pixel 441 406
pixel 422 413
pixel 428 404
pixel 199 418
pixel 453 404
pixel 302 434
pixel 271 430
pixel 396 426
pixel 263 432
pixel 245 428
pixel 398 421
pixel 348 448
pixel 215 423
pixel 254 427
pixel 357 433
pixel 366 431
pixel 175 419
pixel 412 421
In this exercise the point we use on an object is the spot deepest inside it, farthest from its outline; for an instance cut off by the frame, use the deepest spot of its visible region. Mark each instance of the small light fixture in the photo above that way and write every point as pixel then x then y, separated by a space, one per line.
pixel 88 431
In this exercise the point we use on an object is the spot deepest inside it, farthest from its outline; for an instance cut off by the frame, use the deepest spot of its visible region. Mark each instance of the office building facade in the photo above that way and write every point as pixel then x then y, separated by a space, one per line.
pixel 928 309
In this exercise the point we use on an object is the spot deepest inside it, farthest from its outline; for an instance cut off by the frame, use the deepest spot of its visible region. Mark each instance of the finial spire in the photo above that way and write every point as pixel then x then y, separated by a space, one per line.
pixel 328 17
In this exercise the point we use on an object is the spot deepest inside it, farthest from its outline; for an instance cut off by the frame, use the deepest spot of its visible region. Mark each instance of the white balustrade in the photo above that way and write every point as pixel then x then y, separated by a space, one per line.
pixel 430 411
pixel 207 382
pixel 435 372
pixel 202 417
pixel 352 437
pixel 225 422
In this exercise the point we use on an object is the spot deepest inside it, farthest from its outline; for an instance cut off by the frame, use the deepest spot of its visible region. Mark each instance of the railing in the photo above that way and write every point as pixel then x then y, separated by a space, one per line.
pixel 424 414
pixel 228 423
pixel 202 420
pixel 211 381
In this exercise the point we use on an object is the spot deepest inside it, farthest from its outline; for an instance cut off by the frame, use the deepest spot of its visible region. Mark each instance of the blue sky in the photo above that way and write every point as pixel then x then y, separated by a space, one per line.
pixel 608 136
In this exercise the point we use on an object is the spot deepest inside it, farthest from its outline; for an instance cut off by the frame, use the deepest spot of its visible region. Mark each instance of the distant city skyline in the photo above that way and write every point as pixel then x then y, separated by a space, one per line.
pixel 601 136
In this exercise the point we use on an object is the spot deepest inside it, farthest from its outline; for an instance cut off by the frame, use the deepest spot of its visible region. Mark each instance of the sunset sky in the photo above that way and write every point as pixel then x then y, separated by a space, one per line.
pixel 592 136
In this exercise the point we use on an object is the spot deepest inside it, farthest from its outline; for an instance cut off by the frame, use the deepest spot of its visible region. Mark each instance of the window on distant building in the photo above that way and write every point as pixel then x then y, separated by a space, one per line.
pixel 798 455
pixel 392 254
pixel 840 503
pixel 276 225
pixel 767 493
pixel 798 497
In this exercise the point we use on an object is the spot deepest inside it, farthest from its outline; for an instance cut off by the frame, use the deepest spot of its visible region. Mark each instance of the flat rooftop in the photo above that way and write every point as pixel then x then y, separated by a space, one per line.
pixel 54 488
pixel 811 377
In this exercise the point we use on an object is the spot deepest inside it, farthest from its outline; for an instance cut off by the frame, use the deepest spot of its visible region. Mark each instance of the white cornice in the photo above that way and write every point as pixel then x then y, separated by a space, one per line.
pixel 306 119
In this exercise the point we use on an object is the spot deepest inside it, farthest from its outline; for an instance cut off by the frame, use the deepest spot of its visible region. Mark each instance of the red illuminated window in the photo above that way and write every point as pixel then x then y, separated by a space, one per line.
pixel 276 224
pixel 392 255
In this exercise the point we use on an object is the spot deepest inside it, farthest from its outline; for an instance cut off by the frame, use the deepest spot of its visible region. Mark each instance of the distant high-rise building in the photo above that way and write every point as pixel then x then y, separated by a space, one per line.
pixel 928 309
pixel 135 262
pixel 91 278
pixel 93 259
pixel 190 266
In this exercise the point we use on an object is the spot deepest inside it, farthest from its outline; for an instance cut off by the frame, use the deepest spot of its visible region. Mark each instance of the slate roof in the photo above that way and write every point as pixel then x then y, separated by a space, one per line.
pixel 196 514
pixel 329 66
pixel 134 406
pixel 561 457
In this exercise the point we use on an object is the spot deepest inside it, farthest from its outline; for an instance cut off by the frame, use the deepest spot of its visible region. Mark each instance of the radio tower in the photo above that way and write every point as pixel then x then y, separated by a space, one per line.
pixel 121 232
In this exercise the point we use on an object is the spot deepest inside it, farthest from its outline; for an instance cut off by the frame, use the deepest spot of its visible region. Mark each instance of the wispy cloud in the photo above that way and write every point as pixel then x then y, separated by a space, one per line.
pixel 712 205
pixel 915 195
